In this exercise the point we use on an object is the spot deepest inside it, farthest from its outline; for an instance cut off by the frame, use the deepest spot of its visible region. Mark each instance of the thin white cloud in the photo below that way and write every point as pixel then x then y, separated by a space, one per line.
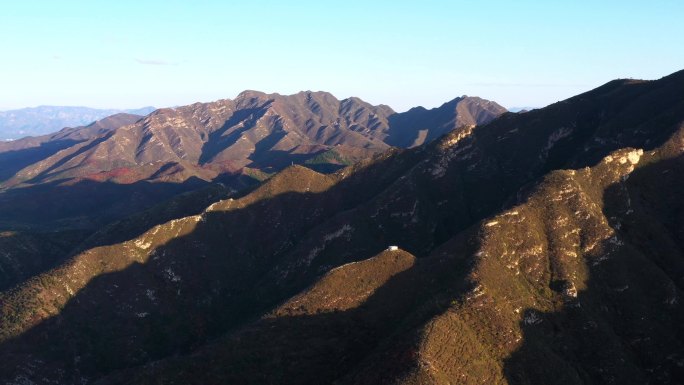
pixel 501 84
pixel 155 62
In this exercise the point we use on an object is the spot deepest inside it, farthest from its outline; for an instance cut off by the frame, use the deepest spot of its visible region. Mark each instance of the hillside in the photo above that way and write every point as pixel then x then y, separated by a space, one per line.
pixel 543 247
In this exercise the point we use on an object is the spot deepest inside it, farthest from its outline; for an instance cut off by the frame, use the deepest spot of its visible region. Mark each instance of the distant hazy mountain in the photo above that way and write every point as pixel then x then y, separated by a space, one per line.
pixel 521 109
pixel 43 120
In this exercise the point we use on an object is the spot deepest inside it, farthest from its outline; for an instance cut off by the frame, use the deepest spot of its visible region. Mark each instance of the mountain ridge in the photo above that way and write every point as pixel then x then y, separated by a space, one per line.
pixel 236 291
pixel 271 108
pixel 227 141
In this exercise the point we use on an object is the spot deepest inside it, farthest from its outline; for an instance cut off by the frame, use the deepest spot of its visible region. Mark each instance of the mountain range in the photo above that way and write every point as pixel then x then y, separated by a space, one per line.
pixel 42 120
pixel 460 245
pixel 237 142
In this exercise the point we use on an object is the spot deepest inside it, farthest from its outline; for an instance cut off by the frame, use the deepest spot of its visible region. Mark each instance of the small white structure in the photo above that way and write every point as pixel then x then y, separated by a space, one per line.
pixel 393 248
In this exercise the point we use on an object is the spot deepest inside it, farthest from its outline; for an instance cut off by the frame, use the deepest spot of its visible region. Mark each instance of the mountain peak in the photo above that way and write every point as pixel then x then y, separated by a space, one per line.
pixel 248 94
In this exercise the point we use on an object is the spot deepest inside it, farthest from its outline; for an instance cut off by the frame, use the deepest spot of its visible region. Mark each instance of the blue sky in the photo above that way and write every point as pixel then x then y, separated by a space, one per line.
pixel 125 54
